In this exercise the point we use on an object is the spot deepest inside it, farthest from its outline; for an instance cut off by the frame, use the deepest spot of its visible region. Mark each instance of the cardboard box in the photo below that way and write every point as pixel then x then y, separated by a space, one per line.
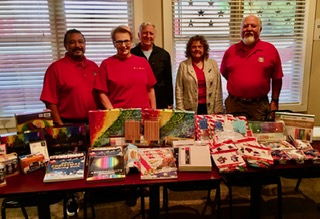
pixel 298 126
pixel 66 139
pixel 19 142
pixel 194 158
pixel 33 121
pixel 268 131
pixel 11 164
pixel 40 147
pixel 157 163
pixel 31 162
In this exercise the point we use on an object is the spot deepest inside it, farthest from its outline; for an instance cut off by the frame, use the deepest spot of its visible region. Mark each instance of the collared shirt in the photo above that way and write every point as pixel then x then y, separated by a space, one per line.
pixel 248 74
pixel 69 85
pixel 126 81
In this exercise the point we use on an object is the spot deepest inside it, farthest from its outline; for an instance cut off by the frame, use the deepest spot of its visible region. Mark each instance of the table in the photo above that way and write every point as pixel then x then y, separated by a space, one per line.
pixel 32 183
pixel 257 176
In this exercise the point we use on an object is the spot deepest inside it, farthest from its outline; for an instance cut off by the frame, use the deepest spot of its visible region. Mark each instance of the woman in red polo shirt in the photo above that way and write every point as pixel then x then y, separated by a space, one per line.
pixel 125 80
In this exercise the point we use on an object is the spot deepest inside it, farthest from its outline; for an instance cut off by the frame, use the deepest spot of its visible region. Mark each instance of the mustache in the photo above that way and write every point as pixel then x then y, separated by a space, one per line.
pixel 77 49
pixel 249 33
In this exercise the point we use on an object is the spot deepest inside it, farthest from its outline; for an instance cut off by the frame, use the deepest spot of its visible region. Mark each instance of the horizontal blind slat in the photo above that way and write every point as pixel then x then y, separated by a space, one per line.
pixel 31 39
pixel 219 21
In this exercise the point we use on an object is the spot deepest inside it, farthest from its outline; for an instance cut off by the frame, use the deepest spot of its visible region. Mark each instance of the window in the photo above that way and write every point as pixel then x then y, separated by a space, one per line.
pixel 32 38
pixel 284 25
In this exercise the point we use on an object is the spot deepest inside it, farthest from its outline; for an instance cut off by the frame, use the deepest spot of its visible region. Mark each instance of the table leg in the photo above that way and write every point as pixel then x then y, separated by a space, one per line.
pixel 255 195
pixel 154 201
pixel 44 211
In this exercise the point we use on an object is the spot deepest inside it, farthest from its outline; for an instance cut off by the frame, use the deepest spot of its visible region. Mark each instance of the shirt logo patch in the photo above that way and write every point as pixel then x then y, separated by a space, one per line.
pixel 138 68
pixel 261 59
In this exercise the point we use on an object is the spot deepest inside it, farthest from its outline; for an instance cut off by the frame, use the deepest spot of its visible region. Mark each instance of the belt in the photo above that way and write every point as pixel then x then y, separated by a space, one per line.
pixel 252 100
pixel 75 121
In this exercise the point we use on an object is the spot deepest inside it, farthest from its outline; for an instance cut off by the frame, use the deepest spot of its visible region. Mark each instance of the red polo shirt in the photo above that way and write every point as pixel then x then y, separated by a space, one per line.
pixel 248 75
pixel 126 81
pixel 69 85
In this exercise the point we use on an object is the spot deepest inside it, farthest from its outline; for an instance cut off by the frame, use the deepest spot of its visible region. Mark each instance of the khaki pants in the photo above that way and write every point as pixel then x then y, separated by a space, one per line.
pixel 255 111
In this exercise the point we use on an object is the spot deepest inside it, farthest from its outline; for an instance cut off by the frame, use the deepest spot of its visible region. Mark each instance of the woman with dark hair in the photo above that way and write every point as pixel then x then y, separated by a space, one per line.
pixel 198 82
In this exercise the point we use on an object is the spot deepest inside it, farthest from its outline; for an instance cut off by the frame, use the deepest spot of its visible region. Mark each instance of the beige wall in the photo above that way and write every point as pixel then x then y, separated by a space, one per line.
pixel 151 11
pixel 314 91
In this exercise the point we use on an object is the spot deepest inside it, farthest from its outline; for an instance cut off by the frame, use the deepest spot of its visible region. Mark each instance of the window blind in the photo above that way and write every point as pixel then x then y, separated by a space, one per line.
pixel 32 38
pixel 283 24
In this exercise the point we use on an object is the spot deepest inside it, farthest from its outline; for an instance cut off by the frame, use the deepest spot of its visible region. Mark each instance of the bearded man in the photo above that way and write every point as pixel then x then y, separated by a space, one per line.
pixel 252 67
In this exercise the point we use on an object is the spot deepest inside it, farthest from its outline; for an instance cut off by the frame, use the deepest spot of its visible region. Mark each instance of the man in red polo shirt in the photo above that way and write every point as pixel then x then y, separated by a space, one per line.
pixel 251 67
pixel 68 90
pixel 68 83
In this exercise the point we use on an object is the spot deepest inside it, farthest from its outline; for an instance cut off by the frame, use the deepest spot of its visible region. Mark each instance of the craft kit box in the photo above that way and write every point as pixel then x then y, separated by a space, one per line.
pixel 65 167
pixel 194 158
pixel 105 163
pixel 157 163
pixel 66 139
pixel 206 126
pixel 33 121
pixel 10 163
pixel 19 142
pixel 31 162
pixel 298 125
pixel 173 123
pixel 268 131
pixel 106 124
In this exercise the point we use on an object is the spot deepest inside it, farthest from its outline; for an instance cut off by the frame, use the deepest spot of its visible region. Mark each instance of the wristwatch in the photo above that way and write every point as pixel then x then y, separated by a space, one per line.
pixel 275 100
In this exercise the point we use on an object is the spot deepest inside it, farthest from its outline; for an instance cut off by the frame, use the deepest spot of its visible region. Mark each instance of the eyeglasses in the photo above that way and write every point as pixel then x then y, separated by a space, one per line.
pixel 120 42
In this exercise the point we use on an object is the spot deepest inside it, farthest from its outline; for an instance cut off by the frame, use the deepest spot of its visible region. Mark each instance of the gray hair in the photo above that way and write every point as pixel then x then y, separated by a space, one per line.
pixel 144 24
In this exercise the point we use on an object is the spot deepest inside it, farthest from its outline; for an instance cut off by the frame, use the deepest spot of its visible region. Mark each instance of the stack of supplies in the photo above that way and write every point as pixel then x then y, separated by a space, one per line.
pixel 227 158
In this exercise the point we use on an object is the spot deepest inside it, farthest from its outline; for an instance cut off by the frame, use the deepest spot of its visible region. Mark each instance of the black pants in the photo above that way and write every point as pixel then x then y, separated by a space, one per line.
pixel 202 109
pixel 74 121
